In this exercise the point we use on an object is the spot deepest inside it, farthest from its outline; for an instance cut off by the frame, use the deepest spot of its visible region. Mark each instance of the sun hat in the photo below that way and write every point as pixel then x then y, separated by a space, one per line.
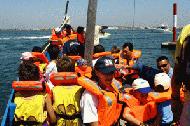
pixel 141 85
pixel 26 56
pixel 105 65
pixel 162 79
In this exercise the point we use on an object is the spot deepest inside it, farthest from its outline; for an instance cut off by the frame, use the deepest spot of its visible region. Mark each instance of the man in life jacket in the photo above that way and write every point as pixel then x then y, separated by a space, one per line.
pixel 32 106
pixel 181 76
pixel 128 58
pixel 164 65
pixel 101 108
pixel 139 109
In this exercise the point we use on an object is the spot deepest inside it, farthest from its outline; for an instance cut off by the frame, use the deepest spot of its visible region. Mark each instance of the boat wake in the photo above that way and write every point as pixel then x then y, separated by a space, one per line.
pixel 25 37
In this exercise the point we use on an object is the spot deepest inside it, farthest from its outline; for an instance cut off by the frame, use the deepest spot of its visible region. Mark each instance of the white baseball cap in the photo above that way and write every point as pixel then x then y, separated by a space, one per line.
pixel 141 85
pixel 162 79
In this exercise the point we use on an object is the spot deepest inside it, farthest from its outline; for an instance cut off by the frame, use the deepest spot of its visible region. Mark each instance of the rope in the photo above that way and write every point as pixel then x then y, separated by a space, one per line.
pixel 134 8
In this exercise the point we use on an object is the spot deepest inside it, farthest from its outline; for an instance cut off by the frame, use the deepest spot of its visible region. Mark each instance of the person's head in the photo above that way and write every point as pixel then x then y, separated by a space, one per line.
pixel 115 49
pixel 162 82
pixel 68 29
pixel 99 48
pixel 65 64
pixel 28 71
pixel 82 64
pixel 127 50
pixel 37 49
pixel 80 29
pixel 163 64
pixel 141 88
pixel 53 51
pixel 104 71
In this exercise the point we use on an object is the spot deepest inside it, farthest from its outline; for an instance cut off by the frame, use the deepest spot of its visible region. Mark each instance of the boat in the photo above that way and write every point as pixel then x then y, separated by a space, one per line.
pixel 163 28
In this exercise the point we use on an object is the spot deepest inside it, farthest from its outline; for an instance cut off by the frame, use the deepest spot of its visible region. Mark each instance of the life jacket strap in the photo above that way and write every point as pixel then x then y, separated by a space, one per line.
pixel 68 117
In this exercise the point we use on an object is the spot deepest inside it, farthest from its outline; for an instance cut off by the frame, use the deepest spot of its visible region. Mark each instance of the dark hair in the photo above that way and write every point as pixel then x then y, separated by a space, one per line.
pixel 37 49
pixel 129 45
pixel 65 64
pixel 53 51
pixel 115 49
pixel 28 72
pixel 99 48
pixel 67 26
pixel 161 58
pixel 80 29
pixel 160 88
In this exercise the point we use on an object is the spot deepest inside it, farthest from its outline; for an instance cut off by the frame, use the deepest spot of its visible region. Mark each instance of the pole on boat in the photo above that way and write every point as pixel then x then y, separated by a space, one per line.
pixel 174 21
pixel 90 30
pixel 172 45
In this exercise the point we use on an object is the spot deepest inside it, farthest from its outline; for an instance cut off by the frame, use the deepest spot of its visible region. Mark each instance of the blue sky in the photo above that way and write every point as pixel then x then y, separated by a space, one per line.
pixel 27 14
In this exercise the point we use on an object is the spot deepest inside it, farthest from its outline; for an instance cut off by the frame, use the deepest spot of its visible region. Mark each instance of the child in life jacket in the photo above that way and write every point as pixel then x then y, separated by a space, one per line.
pixel 139 109
pixel 66 96
pixel 162 83
pixel 32 106
pixel 82 68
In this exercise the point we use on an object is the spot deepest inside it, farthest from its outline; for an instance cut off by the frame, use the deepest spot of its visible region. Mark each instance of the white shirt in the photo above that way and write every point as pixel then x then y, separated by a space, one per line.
pixel 88 104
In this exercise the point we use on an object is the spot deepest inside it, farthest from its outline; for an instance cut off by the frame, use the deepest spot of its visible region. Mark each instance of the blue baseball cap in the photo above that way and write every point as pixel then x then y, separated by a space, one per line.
pixel 105 65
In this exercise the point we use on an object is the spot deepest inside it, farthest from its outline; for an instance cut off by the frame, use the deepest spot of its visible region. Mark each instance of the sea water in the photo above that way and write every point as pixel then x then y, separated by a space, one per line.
pixel 14 42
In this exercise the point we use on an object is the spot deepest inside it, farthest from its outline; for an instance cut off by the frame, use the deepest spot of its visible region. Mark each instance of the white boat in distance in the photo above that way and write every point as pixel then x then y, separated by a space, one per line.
pixel 163 28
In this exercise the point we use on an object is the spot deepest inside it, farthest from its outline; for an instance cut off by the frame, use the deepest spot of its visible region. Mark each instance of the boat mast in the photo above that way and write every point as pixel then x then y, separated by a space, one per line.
pixel 90 30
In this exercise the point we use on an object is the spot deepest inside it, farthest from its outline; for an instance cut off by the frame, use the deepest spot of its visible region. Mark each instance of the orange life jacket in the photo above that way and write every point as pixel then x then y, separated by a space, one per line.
pixel 40 56
pixel 27 85
pixel 75 57
pixel 97 55
pixel 108 107
pixel 86 72
pixel 141 112
pixel 164 96
pixel 63 78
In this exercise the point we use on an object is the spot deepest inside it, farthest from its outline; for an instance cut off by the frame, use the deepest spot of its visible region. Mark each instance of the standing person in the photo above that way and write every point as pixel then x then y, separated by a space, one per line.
pixel 164 65
pixel 96 109
pixel 181 76
pixel 81 39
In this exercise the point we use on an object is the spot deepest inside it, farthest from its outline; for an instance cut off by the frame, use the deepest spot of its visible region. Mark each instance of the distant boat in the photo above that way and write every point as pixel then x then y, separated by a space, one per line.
pixel 163 28
pixel 113 27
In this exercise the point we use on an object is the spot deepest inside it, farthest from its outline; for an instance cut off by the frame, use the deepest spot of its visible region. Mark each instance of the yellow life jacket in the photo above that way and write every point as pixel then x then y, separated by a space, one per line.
pixel 66 96
pixel 30 106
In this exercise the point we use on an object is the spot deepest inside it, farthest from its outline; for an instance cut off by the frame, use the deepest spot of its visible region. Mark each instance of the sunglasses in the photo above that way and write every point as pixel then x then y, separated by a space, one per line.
pixel 163 65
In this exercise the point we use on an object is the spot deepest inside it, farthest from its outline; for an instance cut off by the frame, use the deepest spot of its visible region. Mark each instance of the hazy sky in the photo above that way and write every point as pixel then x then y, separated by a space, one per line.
pixel 27 14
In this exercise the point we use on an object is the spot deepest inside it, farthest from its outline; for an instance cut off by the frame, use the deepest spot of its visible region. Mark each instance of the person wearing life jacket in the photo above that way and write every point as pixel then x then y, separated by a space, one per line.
pixel 164 65
pixel 129 59
pixel 66 95
pixel 97 49
pixel 115 53
pixel 162 96
pixel 32 106
pixel 181 77
pixel 99 102
pixel 82 68
pixel 139 110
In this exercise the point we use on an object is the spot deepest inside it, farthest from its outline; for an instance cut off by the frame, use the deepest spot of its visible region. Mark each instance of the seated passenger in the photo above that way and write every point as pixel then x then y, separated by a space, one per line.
pixel 162 84
pixel 66 95
pixel 71 48
pixel 83 69
pixel 32 106
pixel 139 109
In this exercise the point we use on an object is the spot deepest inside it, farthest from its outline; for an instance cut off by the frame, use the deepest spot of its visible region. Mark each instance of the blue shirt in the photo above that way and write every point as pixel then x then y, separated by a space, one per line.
pixel 170 72
pixel 164 109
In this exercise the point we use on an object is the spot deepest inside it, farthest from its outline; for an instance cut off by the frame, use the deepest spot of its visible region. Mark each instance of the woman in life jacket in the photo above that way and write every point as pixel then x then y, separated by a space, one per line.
pixel 181 78
pixel 99 103
pixel 32 107
pixel 140 109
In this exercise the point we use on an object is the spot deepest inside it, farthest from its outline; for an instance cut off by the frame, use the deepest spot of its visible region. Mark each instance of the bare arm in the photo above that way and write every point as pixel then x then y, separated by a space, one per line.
pixel 50 109
pixel 92 124
pixel 129 118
